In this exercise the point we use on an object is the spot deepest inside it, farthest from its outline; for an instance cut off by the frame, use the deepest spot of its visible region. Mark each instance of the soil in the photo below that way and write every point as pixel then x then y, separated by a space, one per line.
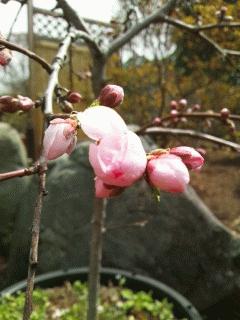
pixel 218 184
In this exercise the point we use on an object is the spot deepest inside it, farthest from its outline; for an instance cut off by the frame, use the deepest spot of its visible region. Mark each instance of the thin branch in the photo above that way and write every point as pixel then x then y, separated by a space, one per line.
pixel 193 134
pixel 136 29
pixel 27 53
pixel 56 66
pixel 74 19
pixel 95 256
pixel 33 255
pixel 19 173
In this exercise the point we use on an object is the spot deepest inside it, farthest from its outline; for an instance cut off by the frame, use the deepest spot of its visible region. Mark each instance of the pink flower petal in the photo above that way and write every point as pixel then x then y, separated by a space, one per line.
pixel 191 157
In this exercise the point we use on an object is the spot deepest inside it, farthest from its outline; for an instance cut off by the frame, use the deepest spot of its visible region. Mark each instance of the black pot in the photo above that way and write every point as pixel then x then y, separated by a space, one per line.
pixel 182 307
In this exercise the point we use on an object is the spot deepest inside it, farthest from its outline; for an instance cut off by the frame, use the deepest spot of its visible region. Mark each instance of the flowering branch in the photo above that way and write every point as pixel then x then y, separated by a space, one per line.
pixel 46 66
pixel 190 133
pixel 19 173
pixel 56 66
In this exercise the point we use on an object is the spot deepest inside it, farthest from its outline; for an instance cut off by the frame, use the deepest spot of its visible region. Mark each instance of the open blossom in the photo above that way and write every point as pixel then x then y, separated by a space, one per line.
pixel 111 96
pixel 103 190
pixel 59 138
pixel 168 173
pixel 97 122
pixel 190 157
pixel 118 159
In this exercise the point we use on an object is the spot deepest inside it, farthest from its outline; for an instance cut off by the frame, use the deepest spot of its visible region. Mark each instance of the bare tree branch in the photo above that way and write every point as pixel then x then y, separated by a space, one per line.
pixel 19 173
pixel 191 133
pixel 56 66
pixel 46 66
pixel 132 32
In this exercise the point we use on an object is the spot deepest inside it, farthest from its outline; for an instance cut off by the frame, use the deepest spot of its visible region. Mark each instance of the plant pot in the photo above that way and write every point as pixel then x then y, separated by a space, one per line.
pixel 182 307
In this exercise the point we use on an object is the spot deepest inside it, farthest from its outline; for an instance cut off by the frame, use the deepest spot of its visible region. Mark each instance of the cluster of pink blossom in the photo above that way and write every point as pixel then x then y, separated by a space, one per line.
pixel 117 154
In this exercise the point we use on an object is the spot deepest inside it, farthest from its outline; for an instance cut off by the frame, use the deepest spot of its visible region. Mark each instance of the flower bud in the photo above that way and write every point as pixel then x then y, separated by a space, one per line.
pixel 174 113
pixel 5 56
pixel 66 106
pixel 168 173
pixel 224 113
pixel 156 121
pixel 10 104
pixel 173 104
pixel 190 157
pixel 59 138
pixel 182 103
pixel 111 96
pixel 74 97
pixel 196 107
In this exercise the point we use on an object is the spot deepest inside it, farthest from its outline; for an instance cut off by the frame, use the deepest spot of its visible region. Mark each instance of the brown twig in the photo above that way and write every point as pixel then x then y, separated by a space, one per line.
pixel 33 255
pixel 190 133
pixel 95 256
pixel 19 173
pixel 46 66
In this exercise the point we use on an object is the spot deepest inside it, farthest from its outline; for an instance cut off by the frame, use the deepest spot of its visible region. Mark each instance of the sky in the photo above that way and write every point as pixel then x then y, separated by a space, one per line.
pixel 102 10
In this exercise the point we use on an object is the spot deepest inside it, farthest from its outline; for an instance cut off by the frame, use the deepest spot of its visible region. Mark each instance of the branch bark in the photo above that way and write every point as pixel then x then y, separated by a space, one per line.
pixel 19 173
pixel 33 255
pixel 46 66
pixel 190 133
pixel 56 66
pixel 95 256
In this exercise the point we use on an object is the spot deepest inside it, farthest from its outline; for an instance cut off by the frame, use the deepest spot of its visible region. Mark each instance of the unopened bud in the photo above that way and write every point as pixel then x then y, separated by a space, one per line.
pixel 196 107
pixel 111 96
pixel 5 54
pixel 182 103
pixel 74 97
pixel 10 104
pixel 156 121
pixel 173 105
pixel 174 113
pixel 224 113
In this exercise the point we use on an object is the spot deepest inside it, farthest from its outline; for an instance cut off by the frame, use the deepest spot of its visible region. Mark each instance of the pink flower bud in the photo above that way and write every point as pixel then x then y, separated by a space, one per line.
pixel 168 173
pixel 156 121
pixel 118 159
pixel 59 138
pixel 100 121
pixel 173 105
pixel 25 103
pixel 74 97
pixel 174 113
pixel 103 190
pixel 224 113
pixel 111 96
pixel 190 157
pixel 182 103
pixel 5 57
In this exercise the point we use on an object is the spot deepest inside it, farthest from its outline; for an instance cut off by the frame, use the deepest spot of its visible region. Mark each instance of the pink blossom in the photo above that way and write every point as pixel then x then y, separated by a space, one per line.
pixel 59 138
pixel 111 96
pixel 167 172
pixel 97 122
pixel 190 157
pixel 103 190
pixel 118 159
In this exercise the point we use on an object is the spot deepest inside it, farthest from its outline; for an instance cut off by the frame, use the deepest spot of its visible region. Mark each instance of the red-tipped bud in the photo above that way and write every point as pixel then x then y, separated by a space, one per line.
pixel 111 96
pixel 182 103
pixel 173 105
pixel 25 103
pixel 74 97
pixel 196 107
pixel 224 113
pixel 156 121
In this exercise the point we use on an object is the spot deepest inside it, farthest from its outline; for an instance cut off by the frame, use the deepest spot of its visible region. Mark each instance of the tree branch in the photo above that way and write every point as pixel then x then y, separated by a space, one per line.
pixel 191 133
pixel 74 19
pixel 27 53
pixel 33 255
pixel 56 66
pixel 19 173
pixel 132 32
